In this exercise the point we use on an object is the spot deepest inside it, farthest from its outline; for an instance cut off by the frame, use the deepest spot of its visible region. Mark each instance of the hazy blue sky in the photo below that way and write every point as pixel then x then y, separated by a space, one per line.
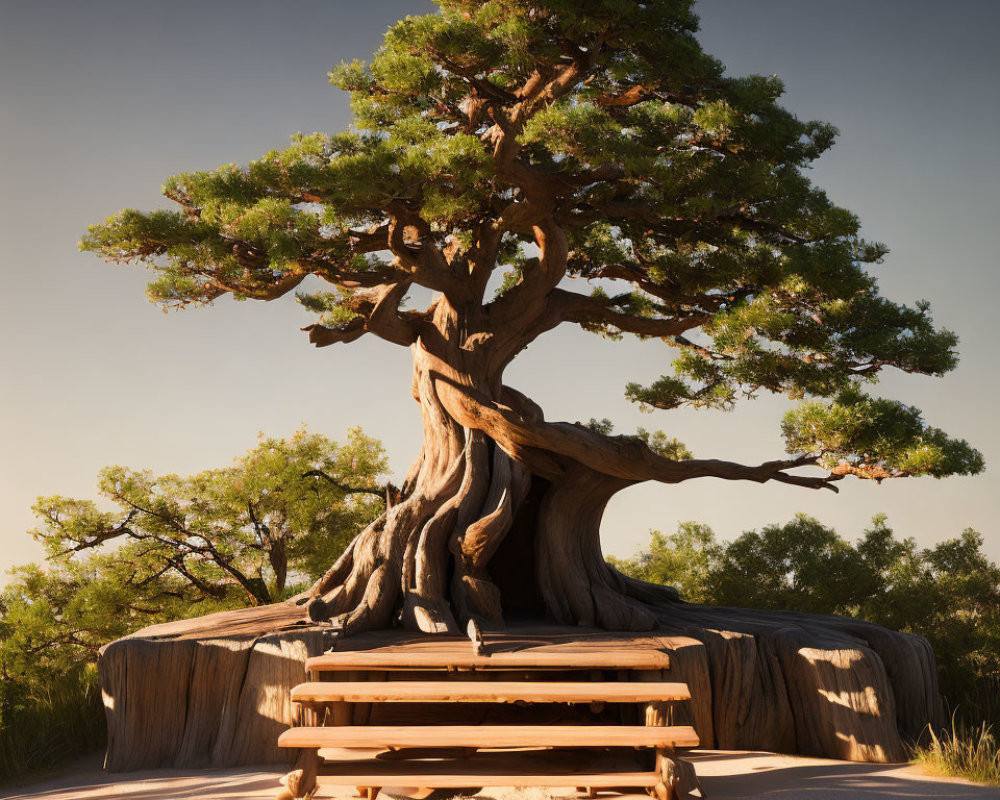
pixel 100 101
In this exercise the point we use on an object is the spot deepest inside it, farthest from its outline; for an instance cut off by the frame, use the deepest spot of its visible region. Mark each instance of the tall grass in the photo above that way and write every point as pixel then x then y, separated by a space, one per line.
pixel 962 752
pixel 43 726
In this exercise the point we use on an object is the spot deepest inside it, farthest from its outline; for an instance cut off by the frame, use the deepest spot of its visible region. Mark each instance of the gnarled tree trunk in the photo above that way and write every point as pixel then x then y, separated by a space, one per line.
pixel 427 561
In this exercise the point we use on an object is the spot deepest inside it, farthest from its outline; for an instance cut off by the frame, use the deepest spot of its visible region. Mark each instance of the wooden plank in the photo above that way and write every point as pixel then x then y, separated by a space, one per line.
pixel 544 647
pixel 494 768
pixel 445 658
pixel 491 736
pixel 443 780
pixel 488 692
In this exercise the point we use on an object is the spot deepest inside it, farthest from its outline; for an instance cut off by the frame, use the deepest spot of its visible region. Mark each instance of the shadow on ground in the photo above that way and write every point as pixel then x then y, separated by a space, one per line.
pixel 733 776
pixel 724 776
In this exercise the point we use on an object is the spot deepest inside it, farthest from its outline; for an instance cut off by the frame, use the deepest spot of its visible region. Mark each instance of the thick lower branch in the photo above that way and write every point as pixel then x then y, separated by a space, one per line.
pixel 378 311
pixel 534 441
pixel 584 310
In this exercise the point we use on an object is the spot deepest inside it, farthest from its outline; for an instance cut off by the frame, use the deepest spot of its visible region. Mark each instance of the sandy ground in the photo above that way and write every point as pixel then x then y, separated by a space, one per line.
pixel 728 775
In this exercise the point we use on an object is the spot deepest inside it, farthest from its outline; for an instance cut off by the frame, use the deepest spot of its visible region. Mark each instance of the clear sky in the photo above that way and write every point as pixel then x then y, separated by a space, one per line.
pixel 101 101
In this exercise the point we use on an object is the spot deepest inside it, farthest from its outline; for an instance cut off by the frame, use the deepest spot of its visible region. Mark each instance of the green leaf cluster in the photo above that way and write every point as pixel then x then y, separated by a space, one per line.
pixel 683 559
pixel 884 438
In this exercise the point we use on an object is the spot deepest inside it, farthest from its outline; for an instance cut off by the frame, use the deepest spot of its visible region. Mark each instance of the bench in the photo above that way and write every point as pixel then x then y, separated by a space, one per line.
pixel 467 757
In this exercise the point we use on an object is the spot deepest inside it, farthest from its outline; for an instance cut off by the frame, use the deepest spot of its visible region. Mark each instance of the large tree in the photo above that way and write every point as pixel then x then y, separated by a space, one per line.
pixel 504 152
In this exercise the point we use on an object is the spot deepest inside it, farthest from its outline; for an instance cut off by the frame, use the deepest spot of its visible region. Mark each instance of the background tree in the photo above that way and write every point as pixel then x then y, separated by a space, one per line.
pixel 175 547
pixel 505 150
pixel 228 534
pixel 686 560
pixel 949 593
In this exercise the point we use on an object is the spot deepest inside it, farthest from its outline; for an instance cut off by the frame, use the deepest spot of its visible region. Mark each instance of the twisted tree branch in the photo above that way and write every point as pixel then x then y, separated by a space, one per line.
pixel 382 492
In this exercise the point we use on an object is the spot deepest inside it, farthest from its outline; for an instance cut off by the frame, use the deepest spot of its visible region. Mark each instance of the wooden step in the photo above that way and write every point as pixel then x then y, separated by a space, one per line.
pixel 451 658
pixel 486 736
pixel 488 692
pixel 503 768
pixel 447 780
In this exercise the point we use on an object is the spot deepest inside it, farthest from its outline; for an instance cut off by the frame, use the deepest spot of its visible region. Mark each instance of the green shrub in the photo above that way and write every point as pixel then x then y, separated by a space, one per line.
pixel 41 725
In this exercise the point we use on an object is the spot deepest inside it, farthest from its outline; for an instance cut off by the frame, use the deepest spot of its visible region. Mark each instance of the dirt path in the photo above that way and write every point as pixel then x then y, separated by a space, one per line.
pixel 725 776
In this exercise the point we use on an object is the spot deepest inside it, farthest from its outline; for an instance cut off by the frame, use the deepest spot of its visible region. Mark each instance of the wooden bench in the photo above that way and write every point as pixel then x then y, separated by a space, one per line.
pixel 467 757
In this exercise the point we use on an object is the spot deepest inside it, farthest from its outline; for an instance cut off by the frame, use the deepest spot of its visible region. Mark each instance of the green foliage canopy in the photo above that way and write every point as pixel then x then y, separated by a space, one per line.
pixel 486 129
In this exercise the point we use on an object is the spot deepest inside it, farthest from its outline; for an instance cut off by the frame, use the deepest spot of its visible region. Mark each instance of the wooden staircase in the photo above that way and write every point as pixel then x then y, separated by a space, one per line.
pixel 469 756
